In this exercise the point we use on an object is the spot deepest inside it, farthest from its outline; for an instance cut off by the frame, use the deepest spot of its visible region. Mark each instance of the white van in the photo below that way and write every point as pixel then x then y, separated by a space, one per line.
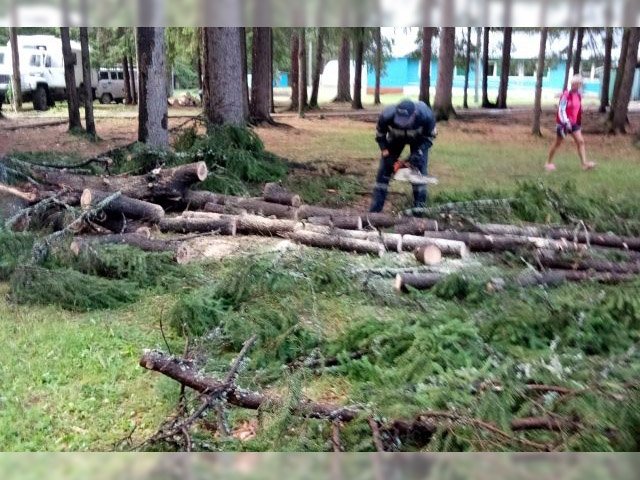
pixel 42 70
pixel 111 85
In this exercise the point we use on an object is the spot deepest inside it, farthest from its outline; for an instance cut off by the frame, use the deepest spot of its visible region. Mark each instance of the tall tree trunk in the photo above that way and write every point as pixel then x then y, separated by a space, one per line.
pixel 73 102
pixel 245 72
pixel 624 47
pixel 199 54
pixel 224 63
pixel 606 73
pixel 317 68
pixel 572 35
pixel 425 65
pixel 344 69
pixel 506 65
pixel 302 70
pixel 621 106
pixel 294 76
pixel 16 86
pixel 152 105
pixel 86 79
pixel 261 75
pixel 476 96
pixel 577 56
pixel 206 79
pixel 443 106
pixel 127 80
pixel 273 103
pixel 485 69
pixel 537 107
pixel 132 78
pixel 357 78
pixel 465 103
pixel 378 65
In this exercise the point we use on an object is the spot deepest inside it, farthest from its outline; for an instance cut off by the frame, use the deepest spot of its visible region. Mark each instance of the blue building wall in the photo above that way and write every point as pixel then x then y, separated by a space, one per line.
pixel 402 72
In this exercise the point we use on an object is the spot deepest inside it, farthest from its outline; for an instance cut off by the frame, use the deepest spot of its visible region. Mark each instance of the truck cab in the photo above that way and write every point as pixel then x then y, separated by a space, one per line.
pixel 42 70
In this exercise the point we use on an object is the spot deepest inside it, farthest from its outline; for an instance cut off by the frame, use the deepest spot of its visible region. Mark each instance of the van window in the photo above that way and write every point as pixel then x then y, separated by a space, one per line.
pixel 1 58
pixel 120 75
pixel 35 61
pixel 114 76
pixel 104 75
pixel 47 61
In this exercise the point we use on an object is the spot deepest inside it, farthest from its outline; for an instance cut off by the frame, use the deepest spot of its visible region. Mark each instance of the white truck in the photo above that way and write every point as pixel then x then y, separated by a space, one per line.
pixel 42 70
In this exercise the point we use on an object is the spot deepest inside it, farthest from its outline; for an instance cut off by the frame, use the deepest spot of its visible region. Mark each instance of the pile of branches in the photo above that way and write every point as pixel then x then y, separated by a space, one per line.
pixel 133 209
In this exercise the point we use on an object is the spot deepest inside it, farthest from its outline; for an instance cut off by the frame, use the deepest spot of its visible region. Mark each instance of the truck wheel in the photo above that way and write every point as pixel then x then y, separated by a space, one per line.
pixel 106 98
pixel 40 102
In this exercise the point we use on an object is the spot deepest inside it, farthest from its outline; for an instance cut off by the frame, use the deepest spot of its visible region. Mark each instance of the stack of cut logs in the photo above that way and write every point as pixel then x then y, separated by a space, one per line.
pixel 144 200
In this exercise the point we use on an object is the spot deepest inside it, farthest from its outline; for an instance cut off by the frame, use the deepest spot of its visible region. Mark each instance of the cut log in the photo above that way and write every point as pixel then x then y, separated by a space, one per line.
pixel 447 247
pixel 557 277
pixel 186 374
pixel 391 241
pixel 423 281
pixel 479 242
pixel 578 235
pixel 26 196
pixel 276 193
pixel 223 225
pixel 162 184
pixel 256 207
pixel 429 255
pixel 550 259
pixel 123 205
pixel 307 211
pixel 336 242
pixel 223 209
pixel 250 224
pixel 347 222
pixel 182 253
pixel 417 226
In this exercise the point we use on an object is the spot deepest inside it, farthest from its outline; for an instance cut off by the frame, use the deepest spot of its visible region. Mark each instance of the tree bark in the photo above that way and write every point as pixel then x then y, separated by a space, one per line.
pixel 86 78
pixel 181 253
pixel 302 70
pixel 477 65
pixel 443 106
pixel 16 84
pixel 261 75
pixel 621 107
pixel 558 277
pixel 606 74
pixel 275 193
pixel 551 259
pixel 485 69
pixel 242 32
pixel 449 247
pixel 572 35
pixel 73 102
pixel 624 48
pixel 132 77
pixel 224 225
pixel 377 65
pixel 506 65
pixel 248 224
pixel 537 106
pixel 224 65
pixel 419 281
pixel 577 56
pixel 344 69
pixel 465 102
pixel 425 65
pixel 348 222
pixel 357 78
pixel 123 205
pixel 248 205
pixel 317 68
pixel 391 241
pixel 127 81
pixel 185 373
pixel 479 242
pixel 294 76
pixel 206 79
pixel 152 106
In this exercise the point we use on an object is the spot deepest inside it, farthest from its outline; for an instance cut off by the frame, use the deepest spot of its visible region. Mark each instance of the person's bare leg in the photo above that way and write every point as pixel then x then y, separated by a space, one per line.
pixel 553 150
pixel 578 138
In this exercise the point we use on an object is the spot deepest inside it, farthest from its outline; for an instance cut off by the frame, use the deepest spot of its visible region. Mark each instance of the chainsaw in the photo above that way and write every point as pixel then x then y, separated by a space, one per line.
pixel 404 172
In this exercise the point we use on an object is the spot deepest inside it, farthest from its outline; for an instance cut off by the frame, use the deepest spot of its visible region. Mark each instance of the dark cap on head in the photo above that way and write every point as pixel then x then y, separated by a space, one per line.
pixel 405 113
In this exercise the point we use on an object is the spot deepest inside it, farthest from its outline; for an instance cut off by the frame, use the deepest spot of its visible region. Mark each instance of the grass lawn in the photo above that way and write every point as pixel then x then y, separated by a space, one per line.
pixel 72 382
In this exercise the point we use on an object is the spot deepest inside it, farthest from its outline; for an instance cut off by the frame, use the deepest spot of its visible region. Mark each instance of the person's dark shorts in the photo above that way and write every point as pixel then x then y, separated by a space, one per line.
pixel 574 128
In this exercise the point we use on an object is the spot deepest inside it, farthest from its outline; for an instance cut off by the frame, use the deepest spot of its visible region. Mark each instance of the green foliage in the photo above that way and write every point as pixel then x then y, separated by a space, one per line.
pixel 330 191
pixel 69 289
pixel 15 250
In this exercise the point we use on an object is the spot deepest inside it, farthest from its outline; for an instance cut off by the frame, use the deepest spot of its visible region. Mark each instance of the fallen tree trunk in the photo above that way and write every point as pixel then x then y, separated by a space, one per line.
pixel 276 193
pixel 223 225
pixel 573 235
pixel 123 205
pixel 550 259
pixel 479 242
pixel 251 224
pixel 391 241
pixel 239 204
pixel 422 281
pixel 320 240
pixel 455 248
pixel 557 277
pixel 347 222
pixel 14 192
pixel 417 226
pixel 185 373
pixel 162 184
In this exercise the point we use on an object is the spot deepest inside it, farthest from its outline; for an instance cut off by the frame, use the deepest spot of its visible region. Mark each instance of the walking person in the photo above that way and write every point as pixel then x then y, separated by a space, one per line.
pixel 569 122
